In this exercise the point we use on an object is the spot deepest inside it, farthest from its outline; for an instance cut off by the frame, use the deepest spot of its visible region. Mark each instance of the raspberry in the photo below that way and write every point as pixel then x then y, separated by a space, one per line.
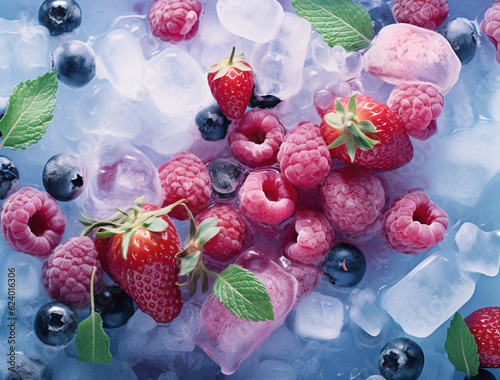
pixel 303 157
pixel 66 273
pixel 413 223
pixel 257 138
pixel 352 199
pixel 185 176
pixel 315 236
pixel 267 197
pixel 228 242
pixel 32 222
pixel 491 25
pixel 174 20
pixel 428 14
pixel 417 105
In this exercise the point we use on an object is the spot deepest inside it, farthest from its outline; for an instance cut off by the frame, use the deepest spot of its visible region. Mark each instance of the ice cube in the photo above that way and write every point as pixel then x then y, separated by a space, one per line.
pixel 179 334
pixel 365 312
pixel 228 339
pixel 73 369
pixel 23 269
pixel 275 370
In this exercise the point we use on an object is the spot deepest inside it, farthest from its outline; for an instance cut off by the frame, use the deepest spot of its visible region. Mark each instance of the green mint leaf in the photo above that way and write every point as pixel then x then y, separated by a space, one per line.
pixel 340 22
pixel 188 263
pixel 243 294
pixel 461 347
pixel 29 113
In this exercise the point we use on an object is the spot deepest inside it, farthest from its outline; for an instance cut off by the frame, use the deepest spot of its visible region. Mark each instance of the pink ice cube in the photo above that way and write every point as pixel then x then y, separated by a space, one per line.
pixel 228 339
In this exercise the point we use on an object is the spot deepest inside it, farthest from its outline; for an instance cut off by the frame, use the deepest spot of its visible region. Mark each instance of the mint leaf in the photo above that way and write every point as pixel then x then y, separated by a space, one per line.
pixel 340 22
pixel 91 340
pixel 243 294
pixel 461 347
pixel 29 113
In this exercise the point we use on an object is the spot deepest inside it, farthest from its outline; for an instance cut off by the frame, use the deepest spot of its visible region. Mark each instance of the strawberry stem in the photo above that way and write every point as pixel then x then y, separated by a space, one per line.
pixel 230 62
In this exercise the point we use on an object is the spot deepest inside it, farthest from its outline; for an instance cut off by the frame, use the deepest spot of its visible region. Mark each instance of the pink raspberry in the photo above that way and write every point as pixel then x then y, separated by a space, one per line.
pixel 428 14
pixel 185 176
pixel 303 157
pixel 174 20
pixel 352 199
pixel 66 273
pixel 257 138
pixel 230 239
pixel 267 197
pixel 417 105
pixel 413 223
pixel 315 236
pixel 491 25
pixel 32 222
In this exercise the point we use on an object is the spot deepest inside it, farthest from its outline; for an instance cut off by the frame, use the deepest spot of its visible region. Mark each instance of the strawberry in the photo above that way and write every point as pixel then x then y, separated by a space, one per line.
pixel 368 134
pixel 231 83
pixel 484 324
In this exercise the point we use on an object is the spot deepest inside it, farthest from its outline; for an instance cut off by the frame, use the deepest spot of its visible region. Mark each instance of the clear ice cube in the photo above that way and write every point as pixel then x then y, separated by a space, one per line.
pixel 365 312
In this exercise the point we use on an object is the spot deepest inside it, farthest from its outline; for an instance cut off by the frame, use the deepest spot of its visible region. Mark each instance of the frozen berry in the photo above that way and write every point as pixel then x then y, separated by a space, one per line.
pixel 344 265
pixel 74 63
pixel 490 25
pixel 428 14
pixel 461 35
pixel 263 101
pixel 413 223
pixel 303 157
pixel 9 177
pixel 225 176
pixel 267 197
pixel 484 324
pixel 185 176
pixel 401 359
pixel 32 222
pixel 174 20
pixel 212 123
pixel 114 305
pixel 55 324
pixel 64 177
pixel 256 139
pixel 60 16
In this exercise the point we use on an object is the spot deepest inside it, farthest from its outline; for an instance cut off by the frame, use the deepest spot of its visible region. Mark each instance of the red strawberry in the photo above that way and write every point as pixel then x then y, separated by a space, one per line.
pixel 231 83
pixel 368 134
pixel 484 324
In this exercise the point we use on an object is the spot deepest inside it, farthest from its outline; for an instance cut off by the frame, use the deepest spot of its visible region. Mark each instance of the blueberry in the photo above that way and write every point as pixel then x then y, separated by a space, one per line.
pixel 225 176
pixel 381 16
pixel 482 375
pixel 64 177
pixel 9 177
pixel 212 123
pixel 114 305
pixel 55 324
pixel 263 101
pixel 401 359
pixel 344 265
pixel 27 368
pixel 60 16
pixel 74 62
pixel 461 35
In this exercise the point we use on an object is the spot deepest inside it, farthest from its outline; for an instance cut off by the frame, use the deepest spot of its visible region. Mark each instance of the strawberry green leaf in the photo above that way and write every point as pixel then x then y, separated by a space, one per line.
pixel 338 142
pixel 351 147
pixel 243 294
pixel 333 120
pixel 29 113
pixel 340 22
pixel 189 262
pixel 339 107
pixel 367 126
pixel 156 225
pixel 461 347
pixel 352 104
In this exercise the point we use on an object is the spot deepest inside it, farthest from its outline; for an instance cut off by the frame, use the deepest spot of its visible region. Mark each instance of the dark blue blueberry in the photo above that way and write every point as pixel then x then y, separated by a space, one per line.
pixel 401 359
pixel 55 324
pixel 482 375
pixel 64 177
pixel 60 16
pixel 344 265
pixel 74 63
pixel 27 368
pixel 9 177
pixel 114 305
pixel 263 101
pixel 461 35
pixel 212 123
pixel 225 176
pixel 381 16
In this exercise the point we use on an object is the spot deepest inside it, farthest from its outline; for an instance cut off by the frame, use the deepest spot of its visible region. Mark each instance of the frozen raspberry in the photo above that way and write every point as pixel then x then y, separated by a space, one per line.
pixel 428 14
pixel 267 197
pixel 228 242
pixel 257 138
pixel 352 199
pixel 491 25
pixel 185 177
pixel 66 273
pixel 413 223
pixel 174 20
pixel 32 222
pixel 315 236
pixel 417 105
pixel 303 157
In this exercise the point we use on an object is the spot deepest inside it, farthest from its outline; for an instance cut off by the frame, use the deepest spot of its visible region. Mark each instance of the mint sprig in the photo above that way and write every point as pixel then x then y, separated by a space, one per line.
pixel 30 111
pixel 461 347
pixel 340 22
pixel 91 340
